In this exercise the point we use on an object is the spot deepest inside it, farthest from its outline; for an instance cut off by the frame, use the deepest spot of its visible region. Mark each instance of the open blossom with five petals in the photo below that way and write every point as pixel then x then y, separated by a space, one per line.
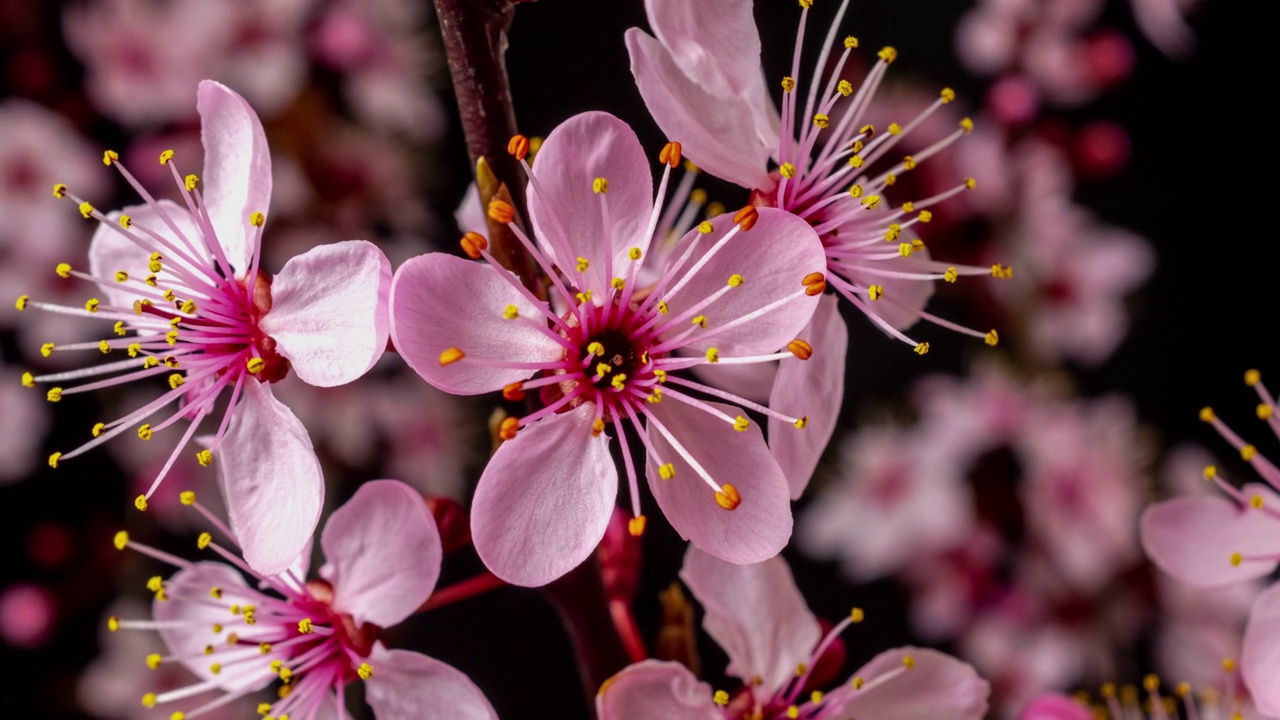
pixel 756 613
pixel 606 351
pixel 383 555
pixel 1210 540
pixel 190 305
pixel 701 80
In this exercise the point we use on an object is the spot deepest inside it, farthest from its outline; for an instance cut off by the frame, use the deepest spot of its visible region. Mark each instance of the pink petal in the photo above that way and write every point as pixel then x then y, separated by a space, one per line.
pixel 439 301
pixel 754 531
pixel 1260 661
pixel 812 388
pixel 718 133
pixel 903 299
pixel 237 169
pixel 753 381
pixel 544 500
pixel 1193 538
pixel 655 690
pixel 567 212
pixel 938 687
pixel 329 311
pixel 382 553
pixel 714 42
pixel 188 641
pixel 756 613
pixel 410 686
pixel 1055 707
pixel 470 215
pixel 772 258
pixel 271 480
pixel 110 251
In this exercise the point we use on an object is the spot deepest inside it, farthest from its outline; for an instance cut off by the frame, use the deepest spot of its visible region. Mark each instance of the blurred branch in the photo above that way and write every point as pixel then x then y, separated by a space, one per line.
pixel 580 598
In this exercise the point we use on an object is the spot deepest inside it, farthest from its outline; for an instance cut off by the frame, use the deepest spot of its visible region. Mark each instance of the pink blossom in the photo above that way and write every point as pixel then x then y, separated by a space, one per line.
pixel 1128 704
pixel 756 613
pixel 383 558
pixel 23 425
pixel 606 351
pixel 1209 541
pixel 702 81
pixel 143 57
pixel 190 302
pixel 28 615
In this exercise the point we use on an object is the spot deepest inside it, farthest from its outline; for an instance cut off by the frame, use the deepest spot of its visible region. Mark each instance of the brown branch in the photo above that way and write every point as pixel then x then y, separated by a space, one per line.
pixel 580 598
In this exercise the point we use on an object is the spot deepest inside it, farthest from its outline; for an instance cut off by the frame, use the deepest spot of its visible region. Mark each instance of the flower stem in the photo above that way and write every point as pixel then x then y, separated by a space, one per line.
pixel 580 598
pixel 468 588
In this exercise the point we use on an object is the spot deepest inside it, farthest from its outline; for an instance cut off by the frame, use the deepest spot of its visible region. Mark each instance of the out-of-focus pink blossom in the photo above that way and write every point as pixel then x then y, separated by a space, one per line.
pixel 28 614
pixel 190 302
pixel 756 613
pixel 736 290
pixel 383 557
pixel 23 424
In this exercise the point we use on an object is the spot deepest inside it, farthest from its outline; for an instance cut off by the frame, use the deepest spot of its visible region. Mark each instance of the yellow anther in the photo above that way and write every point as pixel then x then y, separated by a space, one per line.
pixel 1206 414
pixel 53 460
pixel 474 244
pixel 720 698
pixel 661 375
pixel 149 700
pixel 126 222
pixel 741 424
pixel 806 4
pixel 595 348
pixel 948 95
pixel 970 183
pixel 887 54
pixel 908 163
pixel 92 305
pixel 728 497
pixel 735 280
pixel 150 362
pixel 850 42
pixel 171 337
pixel 305 626
pixel 451 355
pixel 286 675
pixel 187 497
pixel 165 157
pixel 86 210
pixel 501 211
pixel 618 283
pixel 992 338
pixel 635 526
pixel 871 201
pixel 134 349
pixel 257 219
pixel 666 471
pixel 140 502
pixel 152 281
pixel 46 349
pixel 583 264
pixel 59 190
pixel 63 270
pixel 1264 411
pixel 634 254
pixel 904 249
pixel 190 181
pixel 705 227
pixel 700 321
pixel 109 157
pixel 856 161
pixel 713 355
pixel 1151 682
pixel 518 146
pixel 698 196
pixel 1228 664
pixel 188 307
pixel 597 427
pixel 264 648
pixel 54 394
pixel 787 170
pixel 153 660
pixel 966 124
pixel 1182 689
pixel 120 540
pixel 890 179
pixel 169 295
pixel 28 380
pixel 793 712
pixel 857 682
pixel 600 186
pixel 1003 272
pixel 845 88
pixel 816 697
pixel 365 671
pixel 822 121
pixel 119 328
pixel 619 381
pixel 951 275
pixel 655 397
pixel 875 292
pixel 264 708
pixel 788 84
pixel 801 423
pixel 922 348
pixel 1236 559
pixel 603 369
pixel 144 431
pixel 103 347
pixel 895 129
pixel 508 429
pixel 113 623
pixel 908 661
pixel 175 381
pixel 21 304
pixel 1252 377
pixel 203 541
pixel 511 312
pixel 856 615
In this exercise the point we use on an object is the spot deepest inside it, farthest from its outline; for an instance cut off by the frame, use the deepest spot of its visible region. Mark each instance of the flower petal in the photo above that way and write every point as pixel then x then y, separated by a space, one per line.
pixel 187 625
pixel 772 259
pixel 759 527
pixel 271 480
pixel 1260 661
pixel 439 301
pixel 937 686
pixel 752 382
pixel 1055 707
pixel 329 311
pixel 718 133
pixel 110 251
pixel 1193 538
pixel 410 686
pixel 382 553
pixel 544 500
pixel 756 613
pixel 237 169
pixel 655 690
pixel 812 388
pixel 567 212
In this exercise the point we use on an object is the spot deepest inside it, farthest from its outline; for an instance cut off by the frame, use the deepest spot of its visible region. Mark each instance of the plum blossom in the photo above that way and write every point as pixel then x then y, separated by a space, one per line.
pixel 1128 703
pixel 606 352
pixel 702 82
pixel 756 613
pixel 1210 541
pixel 190 303
pixel 383 556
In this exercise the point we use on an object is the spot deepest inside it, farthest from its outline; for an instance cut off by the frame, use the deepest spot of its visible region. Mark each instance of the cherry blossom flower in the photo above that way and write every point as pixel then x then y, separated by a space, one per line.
pixel 606 352
pixel 383 557
pixel 23 424
pixel 189 302
pixel 755 612
pixel 1210 540
pixel 702 82
pixel 1127 703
